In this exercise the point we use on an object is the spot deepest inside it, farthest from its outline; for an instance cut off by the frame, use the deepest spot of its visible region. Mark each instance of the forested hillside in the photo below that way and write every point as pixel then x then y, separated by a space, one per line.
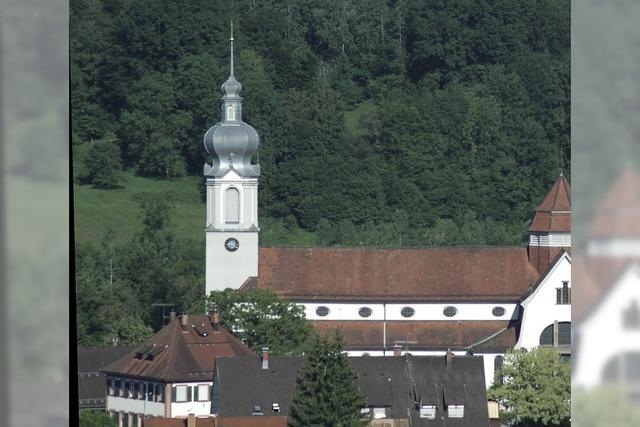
pixel 397 122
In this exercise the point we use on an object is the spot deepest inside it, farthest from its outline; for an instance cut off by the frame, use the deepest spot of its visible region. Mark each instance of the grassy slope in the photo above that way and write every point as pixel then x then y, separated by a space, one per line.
pixel 98 210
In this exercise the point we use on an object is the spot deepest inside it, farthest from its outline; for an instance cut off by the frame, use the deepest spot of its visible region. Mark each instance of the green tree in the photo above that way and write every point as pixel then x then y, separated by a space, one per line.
pixel 96 419
pixel 102 163
pixel 536 388
pixel 326 389
pixel 259 318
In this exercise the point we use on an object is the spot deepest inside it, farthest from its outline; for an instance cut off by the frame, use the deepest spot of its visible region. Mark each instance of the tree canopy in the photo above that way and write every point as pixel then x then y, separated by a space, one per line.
pixel 535 389
pixel 327 391
pixel 259 318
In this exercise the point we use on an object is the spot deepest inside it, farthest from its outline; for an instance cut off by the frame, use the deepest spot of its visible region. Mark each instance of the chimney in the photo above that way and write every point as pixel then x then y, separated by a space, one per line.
pixel 172 315
pixel 184 319
pixel 265 357
pixel 397 350
pixel 191 420
pixel 448 358
pixel 215 321
pixel 115 341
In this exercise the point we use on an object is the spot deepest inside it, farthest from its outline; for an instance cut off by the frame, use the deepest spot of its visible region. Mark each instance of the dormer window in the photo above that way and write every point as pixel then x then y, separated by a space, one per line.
pixel 428 412
pixel 563 294
pixel 231 113
pixel 455 411
pixel 276 407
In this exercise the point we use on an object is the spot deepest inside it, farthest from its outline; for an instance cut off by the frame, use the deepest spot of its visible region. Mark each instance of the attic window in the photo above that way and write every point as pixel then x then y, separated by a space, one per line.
pixel 428 412
pixel 364 312
pixel 322 311
pixel 154 351
pixel 450 311
pixel 498 311
pixel 141 353
pixel 407 312
pixel 257 410
pixel 456 411
pixel 276 408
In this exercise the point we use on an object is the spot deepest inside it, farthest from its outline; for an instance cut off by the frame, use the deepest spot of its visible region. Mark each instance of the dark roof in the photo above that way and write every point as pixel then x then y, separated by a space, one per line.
pixel 393 382
pixel 554 213
pixel 424 335
pixel 91 383
pixel 268 421
pixel 409 274
pixel 181 352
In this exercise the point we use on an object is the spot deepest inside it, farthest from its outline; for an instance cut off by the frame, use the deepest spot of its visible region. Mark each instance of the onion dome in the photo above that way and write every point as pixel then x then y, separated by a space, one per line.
pixel 232 142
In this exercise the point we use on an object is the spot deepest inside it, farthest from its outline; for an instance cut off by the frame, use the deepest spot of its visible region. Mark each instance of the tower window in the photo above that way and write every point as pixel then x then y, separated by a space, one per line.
pixel 232 202
pixel 563 294
pixel 231 113
pixel 631 316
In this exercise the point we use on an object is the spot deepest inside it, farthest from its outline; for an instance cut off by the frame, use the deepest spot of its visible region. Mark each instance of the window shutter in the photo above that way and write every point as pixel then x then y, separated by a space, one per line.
pixel 173 394
pixel 196 394
pixel 189 393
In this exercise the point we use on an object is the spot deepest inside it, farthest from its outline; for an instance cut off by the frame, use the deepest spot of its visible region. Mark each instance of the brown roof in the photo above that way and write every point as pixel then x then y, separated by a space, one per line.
pixel 250 421
pixel 464 273
pixel 554 213
pixel 619 214
pixel 187 355
pixel 424 335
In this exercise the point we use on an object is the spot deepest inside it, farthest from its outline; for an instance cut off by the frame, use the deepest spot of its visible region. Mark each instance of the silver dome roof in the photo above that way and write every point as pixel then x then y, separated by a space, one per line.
pixel 232 142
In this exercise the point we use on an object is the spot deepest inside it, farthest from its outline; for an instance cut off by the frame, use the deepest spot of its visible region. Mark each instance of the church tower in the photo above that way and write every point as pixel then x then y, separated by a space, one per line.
pixel 232 194
pixel 550 230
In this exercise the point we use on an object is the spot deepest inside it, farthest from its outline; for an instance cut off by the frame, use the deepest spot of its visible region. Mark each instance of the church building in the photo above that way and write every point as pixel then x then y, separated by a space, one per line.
pixel 422 301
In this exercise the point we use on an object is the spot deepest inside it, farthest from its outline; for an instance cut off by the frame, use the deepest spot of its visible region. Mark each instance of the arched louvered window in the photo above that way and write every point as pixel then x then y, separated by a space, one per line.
pixel 563 334
pixel 231 113
pixel 232 203
pixel 546 337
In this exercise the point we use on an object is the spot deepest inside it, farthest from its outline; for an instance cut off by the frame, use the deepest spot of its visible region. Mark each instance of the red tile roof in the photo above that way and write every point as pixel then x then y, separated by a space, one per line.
pixel 554 213
pixel 424 335
pixel 187 355
pixel 463 273
pixel 619 214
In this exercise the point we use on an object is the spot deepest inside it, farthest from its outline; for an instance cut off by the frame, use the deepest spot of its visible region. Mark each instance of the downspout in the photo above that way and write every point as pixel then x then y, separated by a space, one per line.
pixel 384 329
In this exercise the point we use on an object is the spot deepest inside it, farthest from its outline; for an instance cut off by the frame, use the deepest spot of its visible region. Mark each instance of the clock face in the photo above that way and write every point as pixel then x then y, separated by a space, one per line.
pixel 231 244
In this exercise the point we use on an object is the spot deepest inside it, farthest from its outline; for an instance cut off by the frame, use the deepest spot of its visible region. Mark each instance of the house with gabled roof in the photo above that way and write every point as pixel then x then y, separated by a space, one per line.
pixel 170 375
pixel 422 300
pixel 400 391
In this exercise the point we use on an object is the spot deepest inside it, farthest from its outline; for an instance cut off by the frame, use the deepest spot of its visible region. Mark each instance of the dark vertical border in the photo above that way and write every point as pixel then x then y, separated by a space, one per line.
pixel 74 414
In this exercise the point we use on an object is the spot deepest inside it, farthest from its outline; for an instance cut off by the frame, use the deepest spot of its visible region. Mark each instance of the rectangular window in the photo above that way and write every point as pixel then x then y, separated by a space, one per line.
pixel 379 413
pixel 202 393
pixel 232 201
pixel 563 294
pixel 112 387
pixel 456 411
pixel 159 393
pixel 428 411
pixel 181 393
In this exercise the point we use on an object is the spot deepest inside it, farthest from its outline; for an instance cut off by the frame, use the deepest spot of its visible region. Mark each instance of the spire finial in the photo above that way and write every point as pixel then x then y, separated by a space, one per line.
pixel 231 40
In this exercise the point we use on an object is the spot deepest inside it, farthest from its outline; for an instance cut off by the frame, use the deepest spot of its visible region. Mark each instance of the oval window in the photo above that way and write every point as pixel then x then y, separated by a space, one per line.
pixel 364 312
pixel 450 311
pixel 498 311
pixel 322 311
pixel 407 312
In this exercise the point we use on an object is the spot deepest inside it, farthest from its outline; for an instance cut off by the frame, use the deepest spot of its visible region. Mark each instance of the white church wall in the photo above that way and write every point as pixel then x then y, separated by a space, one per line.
pixel 602 335
pixel 422 311
pixel 540 308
